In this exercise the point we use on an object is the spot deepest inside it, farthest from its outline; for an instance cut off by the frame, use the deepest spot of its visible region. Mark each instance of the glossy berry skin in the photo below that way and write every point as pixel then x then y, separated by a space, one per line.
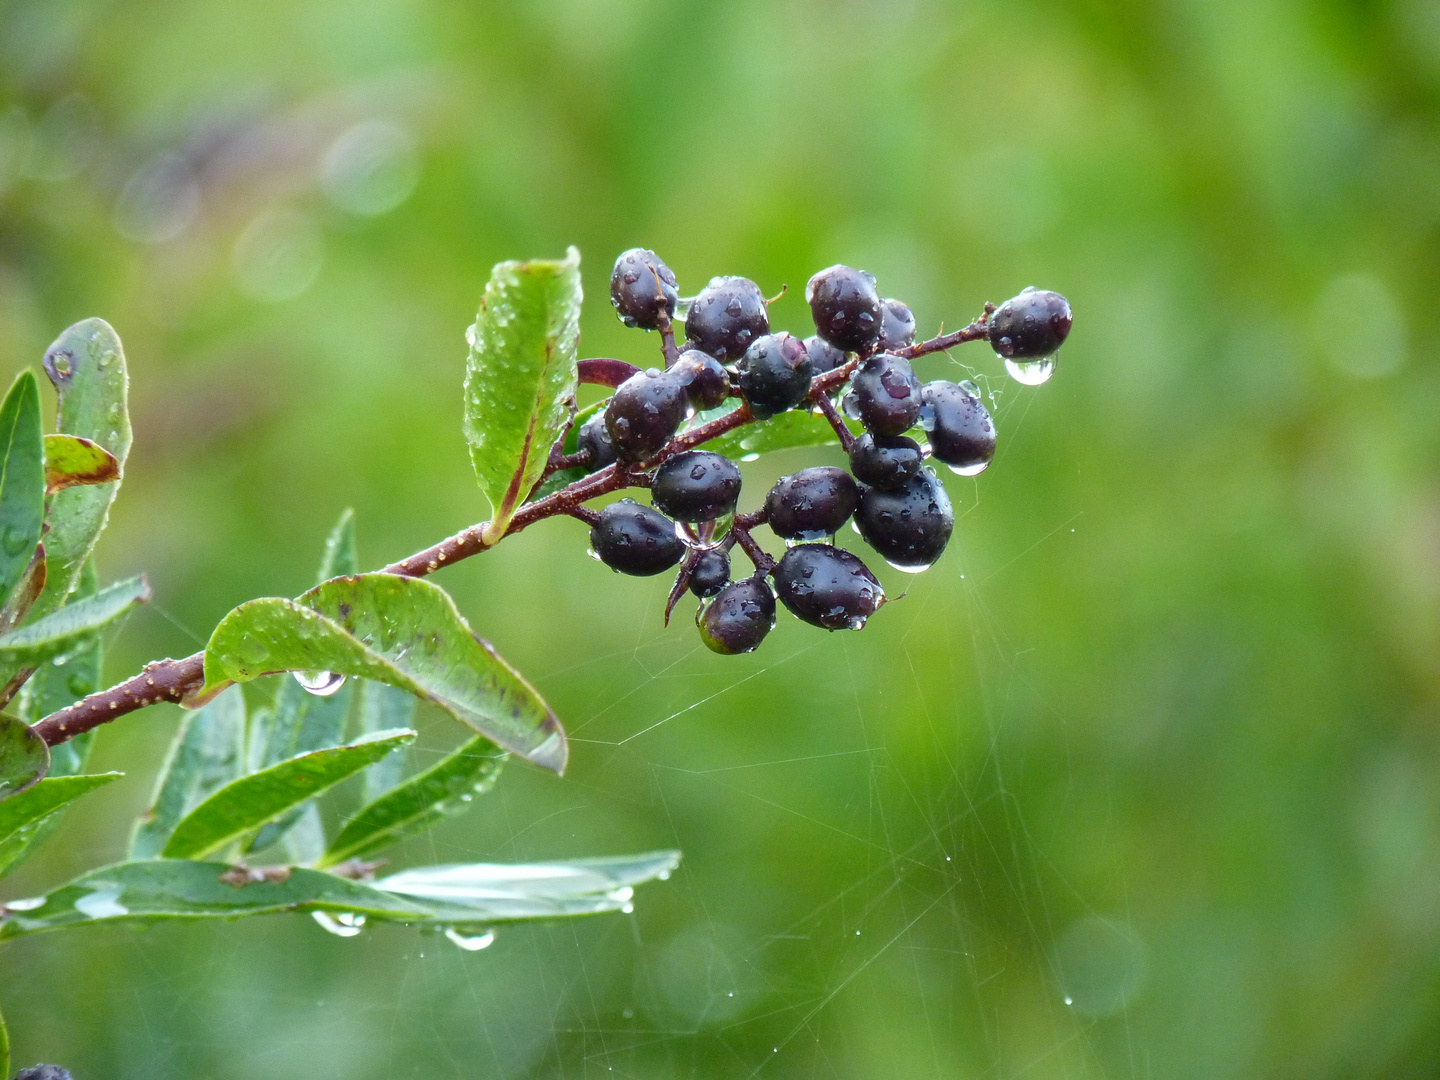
pixel 823 356
pixel 711 572
pixel 846 307
pixel 827 587
pixel 886 395
pixel 637 297
pixel 909 528
pixel 775 374
pixel 811 503
pixel 705 380
pixel 645 412
pixel 897 325
pixel 635 539
pixel 696 486
pixel 593 438
pixel 884 461
pixel 1031 325
pixel 964 435
pixel 727 316
pixel 738 618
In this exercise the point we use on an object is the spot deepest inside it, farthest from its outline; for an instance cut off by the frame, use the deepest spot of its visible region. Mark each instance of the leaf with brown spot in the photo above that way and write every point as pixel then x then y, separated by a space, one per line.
pixel 71 460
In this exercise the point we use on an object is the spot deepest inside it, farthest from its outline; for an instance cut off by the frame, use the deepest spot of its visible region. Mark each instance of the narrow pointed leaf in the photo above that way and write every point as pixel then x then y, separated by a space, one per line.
pixel 23 818
pixel 55 686
pixel 24 757
pixel 397 630
pixel 420 803
pixel 799 427
pixel 22 479
pixel 207 753
pixel 551 880
pixel 71 461
pixel 68 627
pixel 340 557
pixel 382 707
pixel 87 366
pixel 22 598
pixel 520 377
pixel 246 804
pixel 4 1047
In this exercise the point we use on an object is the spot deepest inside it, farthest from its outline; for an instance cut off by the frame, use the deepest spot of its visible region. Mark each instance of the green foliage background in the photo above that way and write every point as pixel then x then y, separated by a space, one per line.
pixel 1157 734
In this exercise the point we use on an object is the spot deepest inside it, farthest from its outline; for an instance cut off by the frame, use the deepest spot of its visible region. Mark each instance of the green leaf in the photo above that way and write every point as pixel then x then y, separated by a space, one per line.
pixel 246 804
pixel 520 377
pixel 563 477
pixel 207 753
pixel 4 1047
pixel 799 427
pixel 22 598
pixel 384 707
pixel 22 479
pixel 397 630
pixel 24 757
pixel 340 557
pixel 420 803
pixel 71 460
pixel 22 818
pixel 64 680
pixel 442 897
pixel 62 630
pixel 87 366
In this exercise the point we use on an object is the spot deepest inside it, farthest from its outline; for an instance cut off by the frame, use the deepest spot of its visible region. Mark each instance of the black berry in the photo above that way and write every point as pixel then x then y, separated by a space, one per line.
pixel 827 587
pixel 704 379
pixel 711 572
pixel 911 527
pixel 1031 325
pixel 885 395
pixel 775 374
pixel 823 356
pixel 593 438
pixel 738 618
pixel 635 539
pixel 811 503
pixel 635 291
pixel 846 307
pixel 43 1072
pixel 963 435
pixel 696 486
pixel 887 462
pixel 726 317
pixel 897 325
pixel 646 410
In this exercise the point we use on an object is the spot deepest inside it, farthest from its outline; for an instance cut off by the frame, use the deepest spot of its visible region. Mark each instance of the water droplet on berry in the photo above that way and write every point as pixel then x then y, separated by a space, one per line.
pixel 471 942
pixel 912 568
pixel 850 406
pixel 927 417
pixel 969 470
pixel 1031 372
pixel 319 683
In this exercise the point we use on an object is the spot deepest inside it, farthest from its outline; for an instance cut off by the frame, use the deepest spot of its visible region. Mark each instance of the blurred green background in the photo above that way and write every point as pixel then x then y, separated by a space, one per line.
pixel 1138 781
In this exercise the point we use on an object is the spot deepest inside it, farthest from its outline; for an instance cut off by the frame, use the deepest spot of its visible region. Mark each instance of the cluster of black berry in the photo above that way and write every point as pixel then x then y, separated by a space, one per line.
pixel 893 500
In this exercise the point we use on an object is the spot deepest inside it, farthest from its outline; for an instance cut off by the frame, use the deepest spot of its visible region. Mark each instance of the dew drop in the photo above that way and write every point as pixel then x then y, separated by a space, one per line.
pixel 24 905
pixel 471 942
pixel 342 925
pixel 969 470
pixel 319 683
pixel 15 540
pixel 1031 372
pixel 911 568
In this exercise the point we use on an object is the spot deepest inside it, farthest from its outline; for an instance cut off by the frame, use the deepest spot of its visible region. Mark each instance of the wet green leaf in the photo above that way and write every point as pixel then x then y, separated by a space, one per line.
pixel 244 805
pixel 62 630
pixel 397 630
pixel 22 479
pixel 799 427
pixel 4 1047
pixel 23 818
pixel 55 686
pixel 207 753
pixel 520 377
pixel 71 460
pixel 87 366
pixel 562 477
pixel 384 707
pixel 420 803
pixel 22 598
pixel 24 757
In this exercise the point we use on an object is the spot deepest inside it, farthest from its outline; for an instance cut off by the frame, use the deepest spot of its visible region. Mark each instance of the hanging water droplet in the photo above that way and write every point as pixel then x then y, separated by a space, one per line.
pixel 912 568
pixel 969 470
pixel 29 904
pixel 334 925
pixel 470 335
pixel 927 417
pixel 749 457
pixel 1031 372
pixel 471 942
pixel 319 683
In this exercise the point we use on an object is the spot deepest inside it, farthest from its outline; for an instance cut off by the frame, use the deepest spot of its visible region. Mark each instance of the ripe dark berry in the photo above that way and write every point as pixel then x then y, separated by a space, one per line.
pixel 823 356
pixel 711 572
pixel 635 539
pixel 911 527
pixel 827 587
pixel 1031 325
pixel 811 503
pixel 593 438
pixel 726 317
pixel 885 395
pixel 846 307
pixel 43 1072
pixel 704 379
pixel 646 410
pixel 775 374
pixel 884 461
pixel 738 618
pixel 897 325
pixel 963 436
pixel 696 486
pixel 637 296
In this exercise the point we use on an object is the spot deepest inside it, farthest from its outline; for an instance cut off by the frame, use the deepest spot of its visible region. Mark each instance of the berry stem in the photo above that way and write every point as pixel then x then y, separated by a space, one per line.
pixel 763 562
pixel 974 332
pixel 828 410
pixel 667 338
